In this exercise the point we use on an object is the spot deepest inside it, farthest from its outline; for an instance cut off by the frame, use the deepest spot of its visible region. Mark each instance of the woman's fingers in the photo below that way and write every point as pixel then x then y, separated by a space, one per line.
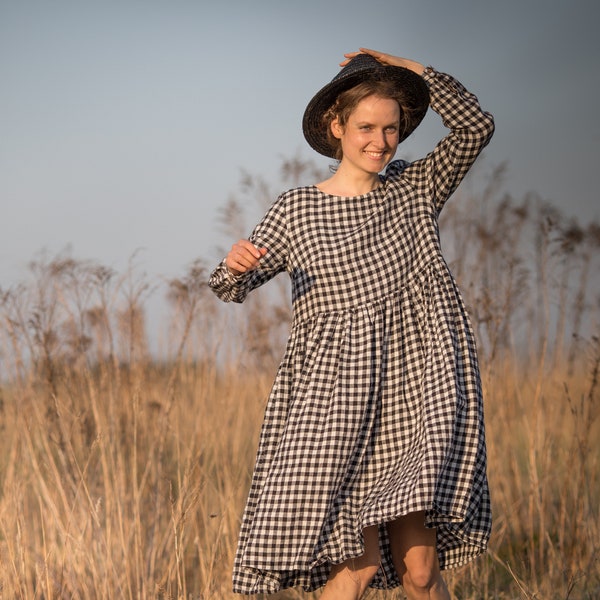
pixel 244 256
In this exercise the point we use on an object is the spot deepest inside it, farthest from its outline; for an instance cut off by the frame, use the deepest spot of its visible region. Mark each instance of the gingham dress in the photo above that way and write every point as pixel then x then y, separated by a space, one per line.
pixel 376 409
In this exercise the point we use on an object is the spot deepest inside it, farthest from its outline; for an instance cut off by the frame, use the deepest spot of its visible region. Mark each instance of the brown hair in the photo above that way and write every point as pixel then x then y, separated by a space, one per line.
pixel 348 100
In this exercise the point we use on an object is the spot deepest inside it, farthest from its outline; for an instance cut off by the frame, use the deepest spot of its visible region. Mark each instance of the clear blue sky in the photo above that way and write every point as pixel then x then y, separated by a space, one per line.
pixel 124 123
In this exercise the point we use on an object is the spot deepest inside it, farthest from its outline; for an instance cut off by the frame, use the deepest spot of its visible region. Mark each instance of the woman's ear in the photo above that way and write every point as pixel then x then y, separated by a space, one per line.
pixel 336 129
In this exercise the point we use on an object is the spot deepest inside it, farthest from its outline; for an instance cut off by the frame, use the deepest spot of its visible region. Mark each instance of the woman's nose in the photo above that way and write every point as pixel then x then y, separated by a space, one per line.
pixel 380 139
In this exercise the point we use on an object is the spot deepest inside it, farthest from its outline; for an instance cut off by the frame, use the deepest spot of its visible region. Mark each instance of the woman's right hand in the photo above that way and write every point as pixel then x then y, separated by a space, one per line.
pixel 244 256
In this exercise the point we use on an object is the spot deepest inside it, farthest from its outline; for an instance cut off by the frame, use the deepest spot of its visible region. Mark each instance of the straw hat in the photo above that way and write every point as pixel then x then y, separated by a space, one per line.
pixel 361 68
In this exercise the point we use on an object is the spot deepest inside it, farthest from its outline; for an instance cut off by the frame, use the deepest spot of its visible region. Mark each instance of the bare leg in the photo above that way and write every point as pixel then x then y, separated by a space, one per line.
pixel 350 579
pixel 415 558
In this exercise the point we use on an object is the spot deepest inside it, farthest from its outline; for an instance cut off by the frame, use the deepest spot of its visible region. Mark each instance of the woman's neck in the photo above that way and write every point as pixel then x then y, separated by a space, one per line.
pixel 344 183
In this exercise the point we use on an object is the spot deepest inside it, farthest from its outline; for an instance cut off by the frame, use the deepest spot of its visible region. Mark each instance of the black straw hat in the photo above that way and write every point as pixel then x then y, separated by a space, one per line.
pixel 363 67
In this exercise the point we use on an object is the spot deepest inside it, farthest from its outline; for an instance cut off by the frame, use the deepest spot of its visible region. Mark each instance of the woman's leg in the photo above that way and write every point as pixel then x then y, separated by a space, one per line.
pixel 350 579
pixel 415 558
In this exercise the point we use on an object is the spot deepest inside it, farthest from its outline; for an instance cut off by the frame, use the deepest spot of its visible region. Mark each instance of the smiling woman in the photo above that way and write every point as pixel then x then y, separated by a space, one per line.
pixel 371 467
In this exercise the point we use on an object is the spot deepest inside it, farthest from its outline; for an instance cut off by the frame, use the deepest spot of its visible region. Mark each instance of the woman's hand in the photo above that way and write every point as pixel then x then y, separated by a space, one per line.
pixel 387 59
pixel 244 256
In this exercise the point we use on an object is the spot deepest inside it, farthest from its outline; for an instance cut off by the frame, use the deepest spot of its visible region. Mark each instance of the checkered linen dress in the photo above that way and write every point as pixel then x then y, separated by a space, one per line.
pixel 376 409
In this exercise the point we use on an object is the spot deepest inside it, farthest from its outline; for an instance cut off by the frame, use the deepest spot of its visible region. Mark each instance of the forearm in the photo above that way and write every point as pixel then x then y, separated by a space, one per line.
pixel 263 256
pixel 227 286
pixel 459 109
pixel 439 174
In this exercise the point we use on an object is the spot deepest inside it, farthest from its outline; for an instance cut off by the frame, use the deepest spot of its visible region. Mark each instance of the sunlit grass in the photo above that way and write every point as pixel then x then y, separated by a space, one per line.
pixel 124 469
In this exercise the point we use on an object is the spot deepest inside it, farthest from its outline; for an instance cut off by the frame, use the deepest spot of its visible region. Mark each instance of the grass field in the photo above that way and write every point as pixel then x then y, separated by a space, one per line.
pixel 124 469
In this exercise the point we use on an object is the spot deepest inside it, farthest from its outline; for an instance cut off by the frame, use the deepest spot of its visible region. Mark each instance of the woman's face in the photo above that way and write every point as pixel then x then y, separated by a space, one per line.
pixel 370 137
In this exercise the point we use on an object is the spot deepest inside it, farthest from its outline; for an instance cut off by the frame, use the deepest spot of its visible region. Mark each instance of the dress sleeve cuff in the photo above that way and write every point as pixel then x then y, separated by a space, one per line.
pixel 222 275
pixel 429 74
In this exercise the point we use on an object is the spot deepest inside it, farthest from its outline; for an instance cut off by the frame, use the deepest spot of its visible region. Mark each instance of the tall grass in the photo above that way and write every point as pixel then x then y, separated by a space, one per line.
pixel 124 467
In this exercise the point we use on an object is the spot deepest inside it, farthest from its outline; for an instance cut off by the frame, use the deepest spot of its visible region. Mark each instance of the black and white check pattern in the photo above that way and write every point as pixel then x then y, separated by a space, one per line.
pixel 376 410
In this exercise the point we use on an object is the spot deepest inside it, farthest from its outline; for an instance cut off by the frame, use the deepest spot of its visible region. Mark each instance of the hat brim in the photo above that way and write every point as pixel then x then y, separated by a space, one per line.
pixel 413 86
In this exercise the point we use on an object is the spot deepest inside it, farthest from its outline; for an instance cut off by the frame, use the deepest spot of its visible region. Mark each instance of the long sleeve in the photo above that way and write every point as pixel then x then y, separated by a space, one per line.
pixel 270 233
pixel 440 172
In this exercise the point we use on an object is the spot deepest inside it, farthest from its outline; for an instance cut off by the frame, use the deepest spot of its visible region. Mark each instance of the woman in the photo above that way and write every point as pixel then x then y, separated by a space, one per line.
pixel 371 465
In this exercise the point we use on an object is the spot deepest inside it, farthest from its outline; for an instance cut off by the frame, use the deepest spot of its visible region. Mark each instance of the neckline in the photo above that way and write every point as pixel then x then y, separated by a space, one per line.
pixel 375 191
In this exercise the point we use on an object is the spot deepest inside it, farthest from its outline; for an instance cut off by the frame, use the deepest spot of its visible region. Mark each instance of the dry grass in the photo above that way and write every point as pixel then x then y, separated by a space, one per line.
pixel 124 476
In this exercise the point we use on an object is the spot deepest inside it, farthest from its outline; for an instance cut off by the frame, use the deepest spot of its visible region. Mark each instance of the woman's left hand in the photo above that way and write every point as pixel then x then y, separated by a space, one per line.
pixel 386 59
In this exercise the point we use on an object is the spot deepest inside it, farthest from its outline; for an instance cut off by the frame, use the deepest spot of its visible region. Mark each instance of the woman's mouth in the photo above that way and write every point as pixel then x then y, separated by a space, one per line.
pixel 375 155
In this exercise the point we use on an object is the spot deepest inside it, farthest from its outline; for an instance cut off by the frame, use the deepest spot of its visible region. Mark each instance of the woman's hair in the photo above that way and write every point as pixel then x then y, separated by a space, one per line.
pixel 348 100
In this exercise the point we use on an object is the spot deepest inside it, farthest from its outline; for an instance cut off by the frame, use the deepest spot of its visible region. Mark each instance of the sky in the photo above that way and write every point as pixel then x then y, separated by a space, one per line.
pixel 125 125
